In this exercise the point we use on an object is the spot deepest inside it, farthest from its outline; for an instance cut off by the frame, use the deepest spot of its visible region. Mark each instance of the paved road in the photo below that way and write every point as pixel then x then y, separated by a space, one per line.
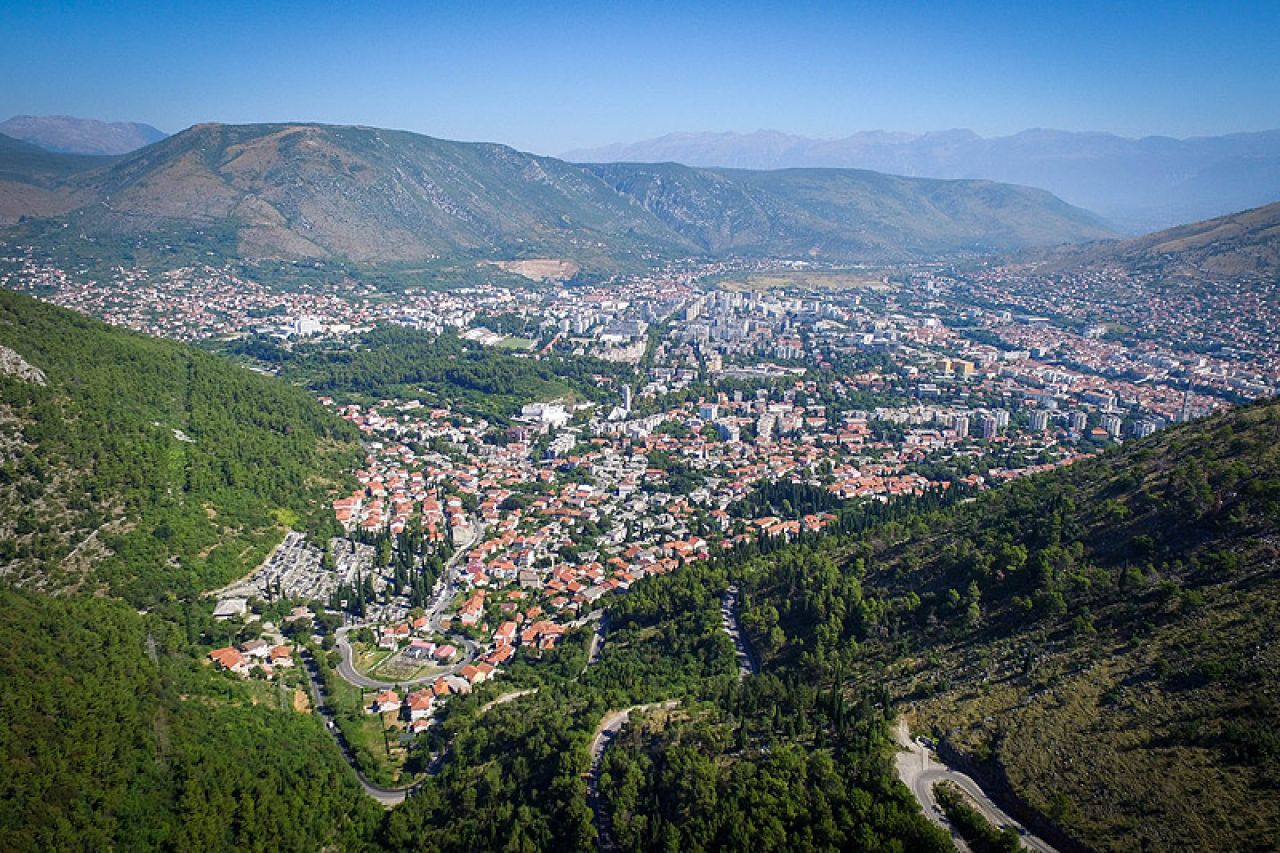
pixel 388 797
pixel 346 667
pixel 349 673
pixel 919 772
pixel 597 642
pixel 436 611
pixel 729 617
pixel 604 735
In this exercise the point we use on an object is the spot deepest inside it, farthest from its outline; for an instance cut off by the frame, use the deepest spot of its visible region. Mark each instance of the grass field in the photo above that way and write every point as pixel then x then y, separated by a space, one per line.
pixel 379 756
pixel 396 668
pixel 366 658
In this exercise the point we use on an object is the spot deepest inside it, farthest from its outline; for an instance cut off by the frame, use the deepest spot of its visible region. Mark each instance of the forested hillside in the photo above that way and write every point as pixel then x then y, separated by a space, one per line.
pixel 776 762
pixel 1102 640
pixel 144 466
pixel 113 737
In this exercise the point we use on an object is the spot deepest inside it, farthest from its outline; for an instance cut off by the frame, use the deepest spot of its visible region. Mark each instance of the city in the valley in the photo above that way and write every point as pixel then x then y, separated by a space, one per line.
pixel 733 403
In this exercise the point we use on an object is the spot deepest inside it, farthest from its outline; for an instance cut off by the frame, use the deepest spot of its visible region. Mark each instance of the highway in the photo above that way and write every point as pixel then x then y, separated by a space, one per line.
pixel 920 772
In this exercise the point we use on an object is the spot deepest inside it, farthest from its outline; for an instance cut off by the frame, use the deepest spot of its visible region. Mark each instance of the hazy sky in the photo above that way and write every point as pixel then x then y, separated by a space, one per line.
pixel 551 76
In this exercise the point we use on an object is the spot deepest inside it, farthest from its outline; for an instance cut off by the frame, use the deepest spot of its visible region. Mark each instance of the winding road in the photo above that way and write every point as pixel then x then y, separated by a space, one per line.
pixel 604 735
pixel 920 772
pixel 346 667
pixel 388 797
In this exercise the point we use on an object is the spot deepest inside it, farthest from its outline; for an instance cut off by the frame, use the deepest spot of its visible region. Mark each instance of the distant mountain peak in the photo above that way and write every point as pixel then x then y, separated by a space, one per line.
pixel 72 135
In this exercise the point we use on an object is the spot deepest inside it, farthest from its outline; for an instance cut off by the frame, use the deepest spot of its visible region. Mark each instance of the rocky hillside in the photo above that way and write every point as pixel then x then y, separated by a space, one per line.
pixel 1140 184
pixel 838 213
pixel 388 197
pixel 1244 245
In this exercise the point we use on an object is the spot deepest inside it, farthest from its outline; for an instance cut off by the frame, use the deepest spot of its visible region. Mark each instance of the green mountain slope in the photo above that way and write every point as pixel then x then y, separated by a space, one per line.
pixel 113 737
pixel 145 466
pixel 1102 640
pixel 383 197
pixel 846 213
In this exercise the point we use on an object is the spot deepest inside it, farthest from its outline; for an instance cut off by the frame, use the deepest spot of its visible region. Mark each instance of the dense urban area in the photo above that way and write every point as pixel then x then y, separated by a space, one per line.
pixel 713 407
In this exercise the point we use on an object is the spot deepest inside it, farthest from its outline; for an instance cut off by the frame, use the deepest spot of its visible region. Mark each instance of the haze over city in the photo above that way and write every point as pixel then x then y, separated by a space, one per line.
pixel 549 77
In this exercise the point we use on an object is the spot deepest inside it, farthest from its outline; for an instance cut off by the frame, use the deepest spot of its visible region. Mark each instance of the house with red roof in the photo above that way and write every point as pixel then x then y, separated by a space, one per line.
pixel 419 703
pixel 231 660
pixel 506 633
pixel 387 700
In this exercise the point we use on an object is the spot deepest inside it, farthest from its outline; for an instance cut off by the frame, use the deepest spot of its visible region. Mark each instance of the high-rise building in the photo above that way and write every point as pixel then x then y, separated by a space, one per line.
pixel 1079 420
pixel 1144 428
pixel 1039 421
pixel 1184 411
pixel 987 427
pixel 1112 424
pixel 727 431
pixel 960 424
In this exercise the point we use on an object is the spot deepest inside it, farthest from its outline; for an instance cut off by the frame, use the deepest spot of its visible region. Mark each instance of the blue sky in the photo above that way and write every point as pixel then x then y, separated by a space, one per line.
pixel 548 77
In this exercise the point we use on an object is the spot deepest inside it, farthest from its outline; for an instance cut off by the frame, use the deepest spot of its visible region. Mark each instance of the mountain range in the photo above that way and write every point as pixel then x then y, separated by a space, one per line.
pixel 374 196
pixel 1138 184
pixel 1242 246
pixel 71 135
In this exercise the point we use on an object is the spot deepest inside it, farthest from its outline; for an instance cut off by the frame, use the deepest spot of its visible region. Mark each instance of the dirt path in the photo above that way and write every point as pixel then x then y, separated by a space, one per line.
pixel 505 698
